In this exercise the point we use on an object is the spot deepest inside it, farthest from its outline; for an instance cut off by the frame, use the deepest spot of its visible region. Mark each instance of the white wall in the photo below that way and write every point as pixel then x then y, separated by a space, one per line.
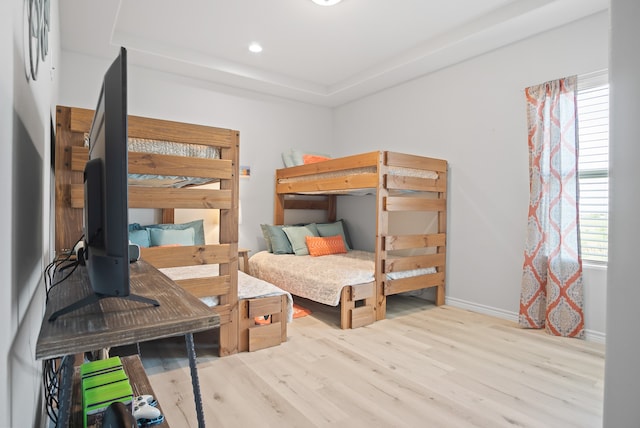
pixel 473 115
pixel 25 181
pixel 267 125
pixel 6 135
pixel 622 375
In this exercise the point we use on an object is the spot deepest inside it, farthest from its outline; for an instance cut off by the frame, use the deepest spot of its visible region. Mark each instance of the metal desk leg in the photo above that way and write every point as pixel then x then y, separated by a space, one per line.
pixel 191 350
pixel 65 390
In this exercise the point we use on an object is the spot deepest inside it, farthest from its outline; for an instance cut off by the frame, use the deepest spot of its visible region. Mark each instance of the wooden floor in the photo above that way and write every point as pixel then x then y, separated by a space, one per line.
pixel 424 366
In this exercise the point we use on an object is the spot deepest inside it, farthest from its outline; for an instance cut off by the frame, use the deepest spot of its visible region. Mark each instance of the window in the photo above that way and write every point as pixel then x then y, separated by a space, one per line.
pixel 593 165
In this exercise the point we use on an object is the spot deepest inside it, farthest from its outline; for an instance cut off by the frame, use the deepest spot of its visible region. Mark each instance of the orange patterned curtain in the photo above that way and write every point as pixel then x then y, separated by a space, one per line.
pixel 551 295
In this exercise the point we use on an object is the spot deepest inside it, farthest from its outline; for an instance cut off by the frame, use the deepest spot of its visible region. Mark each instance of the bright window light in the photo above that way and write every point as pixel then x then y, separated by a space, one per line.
pixel 593 166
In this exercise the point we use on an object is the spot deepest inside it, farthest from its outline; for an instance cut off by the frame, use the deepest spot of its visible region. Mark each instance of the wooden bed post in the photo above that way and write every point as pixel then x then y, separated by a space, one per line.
pixel 331 208
pixel 382 227
pixel 278 206
pixel 442 228
pixel 68 220
pixel 168 215
pixel 229 235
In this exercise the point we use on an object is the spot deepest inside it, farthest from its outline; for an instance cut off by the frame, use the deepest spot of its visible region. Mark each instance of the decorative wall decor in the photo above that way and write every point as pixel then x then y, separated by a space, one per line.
pixel 37 22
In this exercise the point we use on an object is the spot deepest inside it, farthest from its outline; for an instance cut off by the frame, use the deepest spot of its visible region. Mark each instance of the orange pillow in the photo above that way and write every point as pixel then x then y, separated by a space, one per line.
pixel 307 159
pixel 322 246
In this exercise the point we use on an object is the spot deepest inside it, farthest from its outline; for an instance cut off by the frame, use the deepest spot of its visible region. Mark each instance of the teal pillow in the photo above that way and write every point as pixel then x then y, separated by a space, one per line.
pixel 297 236
pixel 333 229
pixel 171 237
pixel 265 234
pixel 279 242
pixel 140 237
pixel 196 225
pixel 287 159
pixel 135 226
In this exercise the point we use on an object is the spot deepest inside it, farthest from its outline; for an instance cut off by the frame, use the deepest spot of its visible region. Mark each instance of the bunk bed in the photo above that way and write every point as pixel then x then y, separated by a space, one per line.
pixel 406 262
pixel 168 179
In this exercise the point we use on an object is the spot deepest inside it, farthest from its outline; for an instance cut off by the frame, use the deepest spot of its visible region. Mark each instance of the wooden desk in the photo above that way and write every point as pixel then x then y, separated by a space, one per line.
pixel 115 322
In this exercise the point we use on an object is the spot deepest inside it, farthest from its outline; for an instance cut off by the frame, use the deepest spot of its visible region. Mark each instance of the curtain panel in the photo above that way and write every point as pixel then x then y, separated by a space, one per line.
pixel 552 289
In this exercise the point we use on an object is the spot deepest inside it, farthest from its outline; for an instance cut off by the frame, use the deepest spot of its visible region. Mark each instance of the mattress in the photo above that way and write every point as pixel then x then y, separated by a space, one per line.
pixel 142 145
pixel 320 279
pixel 249 287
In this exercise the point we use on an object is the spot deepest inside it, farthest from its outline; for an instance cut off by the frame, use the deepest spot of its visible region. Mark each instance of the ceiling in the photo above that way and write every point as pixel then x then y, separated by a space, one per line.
pixel 315 54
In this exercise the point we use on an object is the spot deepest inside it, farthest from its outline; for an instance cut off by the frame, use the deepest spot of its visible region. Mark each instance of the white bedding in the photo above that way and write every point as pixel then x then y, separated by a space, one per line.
pixel 142 145
pixel 249 287
pixel 174 149
pixel 320 279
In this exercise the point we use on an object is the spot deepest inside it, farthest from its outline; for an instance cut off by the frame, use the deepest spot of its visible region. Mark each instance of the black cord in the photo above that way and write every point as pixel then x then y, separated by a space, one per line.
pixel 74 265
pixel 51 369
pixel 59 265
pixel 50 375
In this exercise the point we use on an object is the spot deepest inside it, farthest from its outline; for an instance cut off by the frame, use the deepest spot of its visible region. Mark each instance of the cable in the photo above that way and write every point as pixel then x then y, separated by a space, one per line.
pixel 52 368
pixel 59 265
pixel 50 375
pixel 74 265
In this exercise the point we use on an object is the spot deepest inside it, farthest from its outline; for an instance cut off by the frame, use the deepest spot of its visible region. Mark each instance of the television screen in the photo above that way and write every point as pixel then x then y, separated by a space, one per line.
pixel 105 178
pixel 106 237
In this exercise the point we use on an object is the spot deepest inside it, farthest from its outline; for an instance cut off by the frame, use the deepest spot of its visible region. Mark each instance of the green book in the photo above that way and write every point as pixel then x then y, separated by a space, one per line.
pixel 91 382
pixel 96 400
pixel 100 366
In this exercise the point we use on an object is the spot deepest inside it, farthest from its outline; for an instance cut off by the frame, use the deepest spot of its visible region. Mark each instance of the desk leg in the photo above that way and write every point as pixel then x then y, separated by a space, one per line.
pixel 191 350
pixel 65 390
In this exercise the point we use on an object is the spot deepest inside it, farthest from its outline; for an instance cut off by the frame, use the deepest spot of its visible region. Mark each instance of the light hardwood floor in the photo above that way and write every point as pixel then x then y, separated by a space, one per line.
pixel 424 366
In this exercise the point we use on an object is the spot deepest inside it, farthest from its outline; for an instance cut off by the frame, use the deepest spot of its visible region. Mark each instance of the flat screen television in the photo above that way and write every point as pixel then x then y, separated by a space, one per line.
pixel 106 238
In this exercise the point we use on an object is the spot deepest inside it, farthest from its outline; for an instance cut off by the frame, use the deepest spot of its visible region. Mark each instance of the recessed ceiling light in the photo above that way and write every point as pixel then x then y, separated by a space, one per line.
pixel 326 2
pixel 255 47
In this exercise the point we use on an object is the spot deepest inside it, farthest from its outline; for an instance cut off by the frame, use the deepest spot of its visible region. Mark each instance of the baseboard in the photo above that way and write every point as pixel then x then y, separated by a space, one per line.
pixel 481 309
pixel 595 336
pixel 590 335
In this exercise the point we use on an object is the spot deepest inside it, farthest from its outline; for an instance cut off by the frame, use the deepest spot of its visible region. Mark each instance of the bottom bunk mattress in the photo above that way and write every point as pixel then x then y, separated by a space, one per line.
pixel 249 287
pixel 320 279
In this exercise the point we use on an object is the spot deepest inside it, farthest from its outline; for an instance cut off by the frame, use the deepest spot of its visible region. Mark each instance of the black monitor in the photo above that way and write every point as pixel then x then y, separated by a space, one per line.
pixel 106 237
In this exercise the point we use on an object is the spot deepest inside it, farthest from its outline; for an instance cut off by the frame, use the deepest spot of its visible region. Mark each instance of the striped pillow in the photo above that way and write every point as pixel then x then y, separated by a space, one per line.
pixel 322 246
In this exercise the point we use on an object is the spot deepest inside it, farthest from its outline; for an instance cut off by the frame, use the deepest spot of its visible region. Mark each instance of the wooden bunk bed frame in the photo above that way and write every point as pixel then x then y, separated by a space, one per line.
pixel 71 156
pixel 366 303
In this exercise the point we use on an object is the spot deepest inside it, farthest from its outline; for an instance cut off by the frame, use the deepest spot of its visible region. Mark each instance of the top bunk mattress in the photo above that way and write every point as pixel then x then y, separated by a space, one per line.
pixel 141 145
pixel 175 149
pixel 320 279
